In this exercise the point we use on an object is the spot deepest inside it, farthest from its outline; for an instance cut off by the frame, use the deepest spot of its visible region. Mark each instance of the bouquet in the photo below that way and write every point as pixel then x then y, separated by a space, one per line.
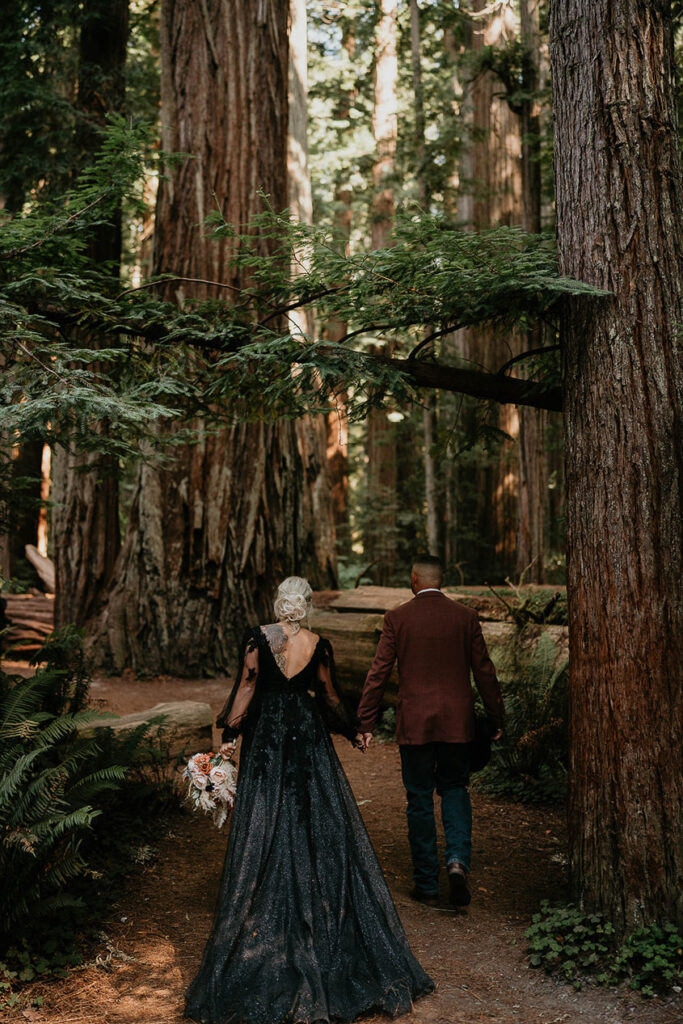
pixel 212 785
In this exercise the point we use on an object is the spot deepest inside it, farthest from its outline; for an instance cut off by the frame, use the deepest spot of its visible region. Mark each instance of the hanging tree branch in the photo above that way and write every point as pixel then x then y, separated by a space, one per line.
pixel 476 383
pixel 525 355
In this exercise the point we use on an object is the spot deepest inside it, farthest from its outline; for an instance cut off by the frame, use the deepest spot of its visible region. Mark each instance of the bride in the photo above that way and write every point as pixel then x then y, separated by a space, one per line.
pixel 305 928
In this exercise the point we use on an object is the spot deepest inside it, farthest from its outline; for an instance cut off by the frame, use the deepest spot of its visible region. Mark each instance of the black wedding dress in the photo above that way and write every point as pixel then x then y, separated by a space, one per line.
pixel 305 928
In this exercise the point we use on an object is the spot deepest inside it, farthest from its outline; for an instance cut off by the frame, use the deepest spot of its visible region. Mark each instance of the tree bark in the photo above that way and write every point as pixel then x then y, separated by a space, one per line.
pixel 529 116
pixel 619 217
pixel 381 522
pixel 26 464
pixel 430 407
pixel 532 459
pixel 311 431
pixel 211 532
pixel 85 521
pixel 490 194
pixel 337 420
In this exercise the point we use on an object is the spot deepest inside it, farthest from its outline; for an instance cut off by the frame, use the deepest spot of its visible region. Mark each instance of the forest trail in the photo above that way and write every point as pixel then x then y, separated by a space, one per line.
pixel 156 932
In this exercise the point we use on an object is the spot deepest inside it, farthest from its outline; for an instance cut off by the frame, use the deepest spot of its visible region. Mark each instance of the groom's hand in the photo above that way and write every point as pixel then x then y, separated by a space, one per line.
pixel 366 739
pixel 496 736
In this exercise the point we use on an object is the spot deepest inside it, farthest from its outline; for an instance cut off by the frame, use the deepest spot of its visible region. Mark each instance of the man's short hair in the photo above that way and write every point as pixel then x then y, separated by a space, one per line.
pixel 429 564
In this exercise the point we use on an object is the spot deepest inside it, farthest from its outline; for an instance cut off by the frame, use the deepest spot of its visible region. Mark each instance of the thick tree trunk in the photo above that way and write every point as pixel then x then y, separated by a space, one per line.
pixel 337 419
pixel 491 194
pixel 26 465
pixel 85 521
pixel 381 519
pixel 532 460
pixel 529 117
pixel 430 407
pixel 619 217
pixel 211 533
pixel 532 496
pixel 311 431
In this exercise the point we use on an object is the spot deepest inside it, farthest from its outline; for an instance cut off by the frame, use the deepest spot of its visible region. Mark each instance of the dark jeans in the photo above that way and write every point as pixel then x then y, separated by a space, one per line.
pixel 443 767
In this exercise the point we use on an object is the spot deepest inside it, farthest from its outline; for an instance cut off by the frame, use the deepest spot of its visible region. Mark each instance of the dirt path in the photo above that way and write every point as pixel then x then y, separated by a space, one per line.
pixel 157 930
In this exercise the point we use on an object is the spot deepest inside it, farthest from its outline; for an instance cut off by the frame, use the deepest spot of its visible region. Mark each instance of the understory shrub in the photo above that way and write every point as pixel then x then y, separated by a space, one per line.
pixel 580 947
pixel 530 762
pixel 73 807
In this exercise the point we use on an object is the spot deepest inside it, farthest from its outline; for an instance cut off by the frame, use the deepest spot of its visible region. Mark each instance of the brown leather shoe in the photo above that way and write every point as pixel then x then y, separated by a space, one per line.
pixel 429 899
pixel 457 883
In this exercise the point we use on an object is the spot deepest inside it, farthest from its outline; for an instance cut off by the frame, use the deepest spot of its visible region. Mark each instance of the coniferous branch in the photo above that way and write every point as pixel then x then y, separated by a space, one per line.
pixel 525 355
pixel 155 361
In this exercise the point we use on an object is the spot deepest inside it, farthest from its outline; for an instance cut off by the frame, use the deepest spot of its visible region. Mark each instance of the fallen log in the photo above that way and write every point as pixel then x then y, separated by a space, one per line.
pixel 354 638
pixel 43 628
pixel 178 728
pixel 489 606
pixel 44 566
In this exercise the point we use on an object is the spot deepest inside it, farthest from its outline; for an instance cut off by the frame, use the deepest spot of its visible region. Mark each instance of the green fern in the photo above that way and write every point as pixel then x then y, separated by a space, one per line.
pixel 52 778
pixel 530 763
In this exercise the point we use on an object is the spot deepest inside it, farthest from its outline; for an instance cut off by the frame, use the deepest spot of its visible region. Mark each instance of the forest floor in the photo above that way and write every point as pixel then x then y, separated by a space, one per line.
pixel 153 940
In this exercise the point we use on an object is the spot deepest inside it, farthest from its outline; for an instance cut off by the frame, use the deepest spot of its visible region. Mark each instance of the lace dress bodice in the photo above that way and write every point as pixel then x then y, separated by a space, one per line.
pixel 261 680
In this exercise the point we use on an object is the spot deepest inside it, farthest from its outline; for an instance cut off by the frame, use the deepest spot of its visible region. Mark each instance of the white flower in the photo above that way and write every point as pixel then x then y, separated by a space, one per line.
pixel 206 802
pixel 218 775
pixel 221 816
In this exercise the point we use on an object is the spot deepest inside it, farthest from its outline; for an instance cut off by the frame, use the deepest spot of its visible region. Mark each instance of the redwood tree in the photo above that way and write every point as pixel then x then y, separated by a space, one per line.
pixel 619 217
pixel 85 518
pixel 381 525
pixel 211 531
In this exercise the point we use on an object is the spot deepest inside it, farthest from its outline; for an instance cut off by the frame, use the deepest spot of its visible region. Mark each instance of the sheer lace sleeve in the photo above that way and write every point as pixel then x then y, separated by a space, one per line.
pixel 235 713
pixel 338 714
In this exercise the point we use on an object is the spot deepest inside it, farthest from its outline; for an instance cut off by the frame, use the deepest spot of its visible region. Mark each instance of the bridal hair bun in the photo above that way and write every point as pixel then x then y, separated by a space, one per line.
pixel 293 601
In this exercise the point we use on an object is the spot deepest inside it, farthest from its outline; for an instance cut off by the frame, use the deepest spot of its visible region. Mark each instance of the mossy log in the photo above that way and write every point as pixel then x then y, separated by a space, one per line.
pixel 354 637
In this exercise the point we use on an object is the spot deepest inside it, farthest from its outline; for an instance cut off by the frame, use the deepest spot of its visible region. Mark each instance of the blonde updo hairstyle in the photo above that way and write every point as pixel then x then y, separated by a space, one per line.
pixel 293 601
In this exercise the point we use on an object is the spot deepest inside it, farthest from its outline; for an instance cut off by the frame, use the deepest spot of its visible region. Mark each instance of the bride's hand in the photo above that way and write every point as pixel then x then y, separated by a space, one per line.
pixel 228 749
pixel 362 741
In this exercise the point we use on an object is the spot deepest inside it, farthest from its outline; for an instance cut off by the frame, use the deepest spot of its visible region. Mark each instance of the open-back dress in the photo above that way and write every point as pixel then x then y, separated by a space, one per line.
pixel 305 929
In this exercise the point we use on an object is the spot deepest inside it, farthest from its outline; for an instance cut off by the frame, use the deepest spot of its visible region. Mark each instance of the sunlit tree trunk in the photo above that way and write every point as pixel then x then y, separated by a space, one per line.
pixel 311 431
pixel 26 465
pixel 85 521
pixel 337 420
pixel 532 457
pixel 619 227
pixel 335 329
pixel 490 195
pixel 381 523
pixel 212 532
pixel 430 405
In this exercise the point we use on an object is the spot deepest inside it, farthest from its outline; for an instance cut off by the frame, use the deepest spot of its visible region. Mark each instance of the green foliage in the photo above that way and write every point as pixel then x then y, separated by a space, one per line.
pixel 48 791
pixel 651 959
pixel 38 60
pixel 386 729
pixel 530 762
pixel 65 798
pixel 74 812
pixel 40 116
pixel 51 954
pixel 564 940
pixel 148 361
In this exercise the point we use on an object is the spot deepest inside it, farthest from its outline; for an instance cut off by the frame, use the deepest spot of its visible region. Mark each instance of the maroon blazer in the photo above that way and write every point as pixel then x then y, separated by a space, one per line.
pixel 437 641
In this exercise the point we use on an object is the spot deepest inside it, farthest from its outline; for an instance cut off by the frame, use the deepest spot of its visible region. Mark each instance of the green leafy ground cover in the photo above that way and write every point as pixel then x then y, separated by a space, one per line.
pixel 75 811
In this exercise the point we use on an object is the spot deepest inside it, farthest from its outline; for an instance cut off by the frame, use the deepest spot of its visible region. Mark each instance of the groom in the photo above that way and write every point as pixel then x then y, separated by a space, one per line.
pixel 437 641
